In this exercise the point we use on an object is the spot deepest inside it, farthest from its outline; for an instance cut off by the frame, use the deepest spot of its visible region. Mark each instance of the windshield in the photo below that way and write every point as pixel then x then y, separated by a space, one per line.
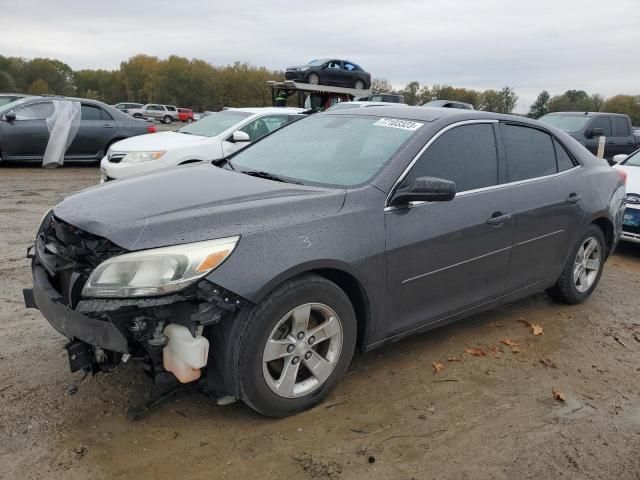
pixel 568 123
pixel 633 160
pixel 5 105
pixel 316 63
pixel 215 123
pixel 331 150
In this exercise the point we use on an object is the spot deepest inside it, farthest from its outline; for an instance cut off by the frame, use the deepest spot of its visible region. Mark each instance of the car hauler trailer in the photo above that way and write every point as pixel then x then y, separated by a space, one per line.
pixel 317 97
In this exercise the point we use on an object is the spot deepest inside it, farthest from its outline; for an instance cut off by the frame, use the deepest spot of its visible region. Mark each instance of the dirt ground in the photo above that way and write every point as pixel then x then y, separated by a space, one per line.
pixel 489 417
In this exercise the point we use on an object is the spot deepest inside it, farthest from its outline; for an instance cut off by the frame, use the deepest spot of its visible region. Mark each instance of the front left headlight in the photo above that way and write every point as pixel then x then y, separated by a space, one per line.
pixel 141 157
pixel 303 69
pixel 157 271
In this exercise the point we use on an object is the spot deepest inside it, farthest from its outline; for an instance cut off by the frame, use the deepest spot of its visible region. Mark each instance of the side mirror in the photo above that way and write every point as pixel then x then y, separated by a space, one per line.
pixel 239 136
pixel 594 132
pixel 621 157
pixel 425 189
pixel 10 117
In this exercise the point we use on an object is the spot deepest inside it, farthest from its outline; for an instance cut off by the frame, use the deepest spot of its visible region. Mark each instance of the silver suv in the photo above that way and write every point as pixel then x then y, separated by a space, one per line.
pixel 164 113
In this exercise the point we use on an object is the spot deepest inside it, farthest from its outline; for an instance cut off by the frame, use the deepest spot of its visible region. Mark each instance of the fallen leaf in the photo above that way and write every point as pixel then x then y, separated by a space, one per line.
pixel 536 329
pixel 476 352
pixel 558 395
pixel 637 337
pixel 511 343
pixel 437 367
pixel 453 359
pixel 515 349
pixel 497 351
pixel 495 324
pixel 548 363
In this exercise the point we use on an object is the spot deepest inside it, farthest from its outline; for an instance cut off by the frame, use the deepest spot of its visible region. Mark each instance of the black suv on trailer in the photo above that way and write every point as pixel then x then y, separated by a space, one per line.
pixel 348 229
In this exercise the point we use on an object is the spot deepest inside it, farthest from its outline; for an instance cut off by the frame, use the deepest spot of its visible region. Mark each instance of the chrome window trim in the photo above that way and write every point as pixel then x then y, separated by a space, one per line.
pixel 492 187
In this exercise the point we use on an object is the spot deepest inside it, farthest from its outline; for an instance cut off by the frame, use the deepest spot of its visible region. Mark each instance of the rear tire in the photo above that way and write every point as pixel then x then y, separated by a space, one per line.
pixel 359 85
pixel 167 120
pixel 304 326
pixel 583 268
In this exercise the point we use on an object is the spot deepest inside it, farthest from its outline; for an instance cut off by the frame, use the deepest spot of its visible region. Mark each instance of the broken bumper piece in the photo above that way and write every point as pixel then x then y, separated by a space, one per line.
pixel 71 324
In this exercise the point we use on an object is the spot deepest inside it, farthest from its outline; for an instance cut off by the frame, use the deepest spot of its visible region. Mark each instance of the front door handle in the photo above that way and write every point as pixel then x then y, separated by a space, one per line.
pixel 107 125
pixel 574 198
pixel 498 218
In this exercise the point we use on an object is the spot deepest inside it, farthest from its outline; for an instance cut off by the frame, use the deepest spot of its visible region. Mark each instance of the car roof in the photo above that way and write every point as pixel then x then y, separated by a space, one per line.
pixel 428 114
pixel 436 103
pixel 267 110
pixel 586 114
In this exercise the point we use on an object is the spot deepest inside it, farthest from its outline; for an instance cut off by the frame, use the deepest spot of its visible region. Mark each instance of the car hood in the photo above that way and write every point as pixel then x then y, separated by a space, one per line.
pixel 633 178
pixel 192 203
pixel 159 141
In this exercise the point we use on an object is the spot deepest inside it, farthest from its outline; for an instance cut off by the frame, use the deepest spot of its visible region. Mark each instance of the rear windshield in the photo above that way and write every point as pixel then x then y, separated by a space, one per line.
pixel 329 150
pixel 344 106
pixel 568 123
pixel 215 123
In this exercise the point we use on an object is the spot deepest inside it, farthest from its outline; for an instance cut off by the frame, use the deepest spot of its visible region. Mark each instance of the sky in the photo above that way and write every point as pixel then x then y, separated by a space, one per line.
pixel 552 45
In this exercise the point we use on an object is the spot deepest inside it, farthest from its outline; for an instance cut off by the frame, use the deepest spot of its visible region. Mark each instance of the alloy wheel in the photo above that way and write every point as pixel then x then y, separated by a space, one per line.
pixel 314 79
pixel 587 264
pixel 359 85
pixel 302 350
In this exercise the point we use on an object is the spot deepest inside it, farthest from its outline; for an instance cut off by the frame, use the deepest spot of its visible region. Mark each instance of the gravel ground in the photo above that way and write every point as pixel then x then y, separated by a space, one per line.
pixel 489 417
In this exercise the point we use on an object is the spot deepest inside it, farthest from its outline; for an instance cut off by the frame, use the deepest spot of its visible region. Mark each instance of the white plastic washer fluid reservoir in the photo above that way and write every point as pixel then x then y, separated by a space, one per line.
pixel 184 355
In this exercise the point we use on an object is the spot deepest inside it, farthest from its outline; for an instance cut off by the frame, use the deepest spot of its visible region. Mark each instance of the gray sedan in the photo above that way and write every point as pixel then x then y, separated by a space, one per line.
pixel 345 230
pixel 24 133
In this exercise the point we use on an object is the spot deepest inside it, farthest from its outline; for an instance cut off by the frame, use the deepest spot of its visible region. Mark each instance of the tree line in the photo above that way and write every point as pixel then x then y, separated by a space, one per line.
pixel 202 86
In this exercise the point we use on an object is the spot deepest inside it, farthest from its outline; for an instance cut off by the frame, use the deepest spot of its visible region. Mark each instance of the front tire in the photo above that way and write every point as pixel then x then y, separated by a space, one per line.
pixel 295 346
pixel 314 79
pixel 583 268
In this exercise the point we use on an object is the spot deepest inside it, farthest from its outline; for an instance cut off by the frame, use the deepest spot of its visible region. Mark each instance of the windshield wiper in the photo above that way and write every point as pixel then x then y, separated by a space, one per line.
pixel 267 175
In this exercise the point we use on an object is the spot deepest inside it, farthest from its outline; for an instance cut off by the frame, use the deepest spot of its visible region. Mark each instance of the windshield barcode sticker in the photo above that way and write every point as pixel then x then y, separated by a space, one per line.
pixel 396 123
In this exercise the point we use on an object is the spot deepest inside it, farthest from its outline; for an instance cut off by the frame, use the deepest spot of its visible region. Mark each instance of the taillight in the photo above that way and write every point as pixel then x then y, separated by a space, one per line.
pixel 151 129
pixel 623 176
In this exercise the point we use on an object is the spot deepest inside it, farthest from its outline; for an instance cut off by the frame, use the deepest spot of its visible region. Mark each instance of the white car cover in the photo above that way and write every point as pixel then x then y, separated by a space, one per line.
pixel 63 125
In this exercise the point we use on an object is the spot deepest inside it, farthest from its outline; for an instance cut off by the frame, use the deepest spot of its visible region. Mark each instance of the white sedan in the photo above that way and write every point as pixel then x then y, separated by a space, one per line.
pixel 211 138
pixel 631 223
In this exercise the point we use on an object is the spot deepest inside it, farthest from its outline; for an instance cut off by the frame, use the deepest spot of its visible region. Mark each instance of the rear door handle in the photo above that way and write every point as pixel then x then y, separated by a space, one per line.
pixel 498 218
pixel 574 198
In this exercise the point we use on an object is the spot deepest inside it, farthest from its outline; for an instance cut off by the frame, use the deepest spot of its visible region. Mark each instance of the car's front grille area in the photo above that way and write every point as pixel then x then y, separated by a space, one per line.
pixel 115 157
pixel 69 255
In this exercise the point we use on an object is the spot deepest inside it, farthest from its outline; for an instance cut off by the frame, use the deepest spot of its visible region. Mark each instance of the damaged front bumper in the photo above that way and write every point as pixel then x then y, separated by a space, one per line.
pixel 71 324
pixel 104 332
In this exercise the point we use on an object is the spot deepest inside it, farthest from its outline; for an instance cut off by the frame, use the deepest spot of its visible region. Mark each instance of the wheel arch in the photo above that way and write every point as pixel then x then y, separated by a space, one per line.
pixel 606 225
pixel 344 277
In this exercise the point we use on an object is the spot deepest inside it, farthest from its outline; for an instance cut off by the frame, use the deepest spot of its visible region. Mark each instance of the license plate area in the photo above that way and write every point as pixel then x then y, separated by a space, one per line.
pixel 631 218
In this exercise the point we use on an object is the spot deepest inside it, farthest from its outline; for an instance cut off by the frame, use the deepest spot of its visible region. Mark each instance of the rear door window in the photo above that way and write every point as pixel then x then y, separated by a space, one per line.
pixel 530 153
pixel 620 127
pixel 90 112
pixel 466 155
pixel 602 122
